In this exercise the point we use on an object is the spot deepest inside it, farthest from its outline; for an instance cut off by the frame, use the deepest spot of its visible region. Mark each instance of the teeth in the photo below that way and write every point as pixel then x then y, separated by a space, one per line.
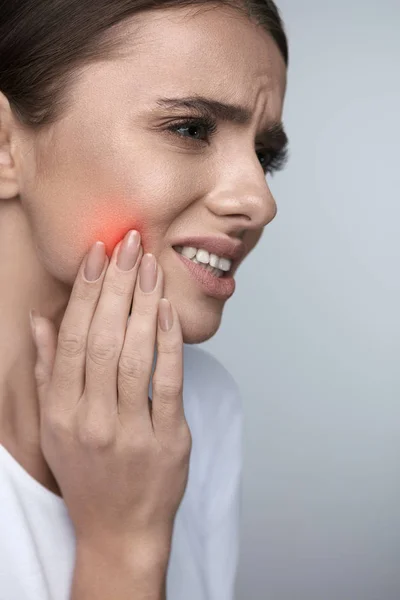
pixel 225 264
pixel 204 257
pixel 214 260
pixel 187 251
pixel 209 268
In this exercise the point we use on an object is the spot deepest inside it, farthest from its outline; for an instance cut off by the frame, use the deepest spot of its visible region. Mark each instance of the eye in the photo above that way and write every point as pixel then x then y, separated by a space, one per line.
pixel 202 130
pixel 273 160
pixel 265 158
pixel 195 128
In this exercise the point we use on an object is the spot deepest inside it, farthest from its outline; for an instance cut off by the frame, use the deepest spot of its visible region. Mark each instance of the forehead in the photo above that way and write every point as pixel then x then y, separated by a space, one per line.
pixel 214 51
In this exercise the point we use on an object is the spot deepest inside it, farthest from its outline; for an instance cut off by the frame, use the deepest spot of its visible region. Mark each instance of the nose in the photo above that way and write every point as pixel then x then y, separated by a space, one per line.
pixel 242 193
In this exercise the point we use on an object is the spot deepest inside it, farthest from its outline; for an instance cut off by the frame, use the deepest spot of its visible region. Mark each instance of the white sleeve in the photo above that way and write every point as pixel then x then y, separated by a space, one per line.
pixel 223 501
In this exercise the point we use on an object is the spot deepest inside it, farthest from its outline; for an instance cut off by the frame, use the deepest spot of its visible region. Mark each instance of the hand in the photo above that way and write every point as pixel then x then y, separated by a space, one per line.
pixel 120 460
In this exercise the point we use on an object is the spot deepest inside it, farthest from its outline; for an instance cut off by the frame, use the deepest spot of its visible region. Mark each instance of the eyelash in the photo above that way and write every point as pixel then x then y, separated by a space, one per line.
pixel 278 158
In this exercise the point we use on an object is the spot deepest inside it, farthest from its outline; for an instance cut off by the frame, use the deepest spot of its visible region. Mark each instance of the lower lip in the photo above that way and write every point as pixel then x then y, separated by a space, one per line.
pixel 221 288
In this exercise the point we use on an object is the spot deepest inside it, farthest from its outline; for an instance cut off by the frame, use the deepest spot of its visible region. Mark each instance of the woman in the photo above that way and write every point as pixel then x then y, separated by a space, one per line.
pixel 109 490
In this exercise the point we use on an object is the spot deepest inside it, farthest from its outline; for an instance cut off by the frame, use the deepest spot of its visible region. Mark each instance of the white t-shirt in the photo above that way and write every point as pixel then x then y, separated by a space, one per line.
pixel 37 542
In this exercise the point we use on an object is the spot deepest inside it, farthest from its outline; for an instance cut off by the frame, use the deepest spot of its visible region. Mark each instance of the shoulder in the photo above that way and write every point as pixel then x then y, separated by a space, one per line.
pixel 203 368
pixel 209 380
pixel 214 412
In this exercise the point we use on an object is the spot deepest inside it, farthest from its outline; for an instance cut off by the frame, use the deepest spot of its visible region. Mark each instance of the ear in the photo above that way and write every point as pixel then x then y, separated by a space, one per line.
pixel 9 187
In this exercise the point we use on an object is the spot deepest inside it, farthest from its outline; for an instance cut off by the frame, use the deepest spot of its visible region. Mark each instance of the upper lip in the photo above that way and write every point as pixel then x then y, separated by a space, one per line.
pixel 234 250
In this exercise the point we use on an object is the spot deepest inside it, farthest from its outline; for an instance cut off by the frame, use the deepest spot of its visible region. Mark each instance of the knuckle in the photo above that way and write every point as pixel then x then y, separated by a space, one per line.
pixel 141 445
pixel 167 387
pixel 85 292
pixel 170 346
pixel 102 348
pixel 71 343
pixel 62 383
pixel 144 308
pixel 132 365
pixel 184 440
pixel 41 374
pixel 95 436
pixel 180 445
pixel 118 286
pixel 57 423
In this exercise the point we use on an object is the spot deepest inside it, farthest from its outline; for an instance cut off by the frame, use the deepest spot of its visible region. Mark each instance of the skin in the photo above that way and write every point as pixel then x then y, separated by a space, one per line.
pixel 109 165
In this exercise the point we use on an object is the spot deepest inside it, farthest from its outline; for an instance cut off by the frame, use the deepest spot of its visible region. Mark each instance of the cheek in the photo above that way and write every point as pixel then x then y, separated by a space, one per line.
pixel 100 194
pixel 72 203
pixel 62 237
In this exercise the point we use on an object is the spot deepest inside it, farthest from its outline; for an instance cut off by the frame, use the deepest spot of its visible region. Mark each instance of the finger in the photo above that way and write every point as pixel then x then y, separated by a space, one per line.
pixel 68 376
pixel 168 410
pixel 108 328
pixel 46 336
pixel 136 360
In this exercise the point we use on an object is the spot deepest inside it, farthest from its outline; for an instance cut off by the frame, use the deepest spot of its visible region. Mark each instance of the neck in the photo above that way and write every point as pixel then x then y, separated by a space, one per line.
pixel 24 285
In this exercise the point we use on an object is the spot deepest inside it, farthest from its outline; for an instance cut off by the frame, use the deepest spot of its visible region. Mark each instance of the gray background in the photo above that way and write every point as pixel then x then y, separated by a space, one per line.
pixel 317 303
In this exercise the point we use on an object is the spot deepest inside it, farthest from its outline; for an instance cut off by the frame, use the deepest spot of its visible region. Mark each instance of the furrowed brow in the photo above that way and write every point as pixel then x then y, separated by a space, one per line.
pixel 274 134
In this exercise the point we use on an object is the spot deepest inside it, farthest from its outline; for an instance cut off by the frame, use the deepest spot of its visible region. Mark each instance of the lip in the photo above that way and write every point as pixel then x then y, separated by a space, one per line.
pixel 221 288
pixel 226 247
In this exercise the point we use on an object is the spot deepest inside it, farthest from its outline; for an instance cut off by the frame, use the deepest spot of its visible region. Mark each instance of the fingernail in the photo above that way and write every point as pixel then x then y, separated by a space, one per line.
pixel 95 261
pixel 165 314
pixel 148 273
pixel 129 251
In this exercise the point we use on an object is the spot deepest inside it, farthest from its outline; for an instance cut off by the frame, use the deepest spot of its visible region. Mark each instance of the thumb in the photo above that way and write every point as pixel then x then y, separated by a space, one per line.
pixel 45 337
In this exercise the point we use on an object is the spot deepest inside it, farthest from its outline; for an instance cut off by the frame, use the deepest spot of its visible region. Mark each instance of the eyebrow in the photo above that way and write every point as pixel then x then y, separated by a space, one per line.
pixel 274 133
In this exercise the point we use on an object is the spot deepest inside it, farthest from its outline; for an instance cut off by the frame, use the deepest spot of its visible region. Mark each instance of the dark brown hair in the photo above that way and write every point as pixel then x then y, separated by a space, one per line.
pixel 43 43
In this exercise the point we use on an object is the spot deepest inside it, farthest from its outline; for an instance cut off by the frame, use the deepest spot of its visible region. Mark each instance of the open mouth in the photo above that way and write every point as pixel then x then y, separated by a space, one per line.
pixel 214 270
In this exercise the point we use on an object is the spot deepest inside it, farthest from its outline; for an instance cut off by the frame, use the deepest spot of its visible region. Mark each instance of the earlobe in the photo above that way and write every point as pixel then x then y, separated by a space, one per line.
pixel 8 173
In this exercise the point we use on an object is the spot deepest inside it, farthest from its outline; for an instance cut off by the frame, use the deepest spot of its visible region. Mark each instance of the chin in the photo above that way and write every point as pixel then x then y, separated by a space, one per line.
pixel 198 326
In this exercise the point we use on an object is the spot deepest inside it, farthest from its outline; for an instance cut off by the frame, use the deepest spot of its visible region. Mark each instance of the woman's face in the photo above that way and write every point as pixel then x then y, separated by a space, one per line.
pixel 111 164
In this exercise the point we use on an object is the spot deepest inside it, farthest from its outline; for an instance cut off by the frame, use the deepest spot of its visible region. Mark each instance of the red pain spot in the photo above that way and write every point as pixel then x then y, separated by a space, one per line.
pixel 112 234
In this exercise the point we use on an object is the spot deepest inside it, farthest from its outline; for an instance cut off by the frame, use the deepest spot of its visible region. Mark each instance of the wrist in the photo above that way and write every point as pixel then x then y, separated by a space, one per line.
pixel 144 553
pixel 116 570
